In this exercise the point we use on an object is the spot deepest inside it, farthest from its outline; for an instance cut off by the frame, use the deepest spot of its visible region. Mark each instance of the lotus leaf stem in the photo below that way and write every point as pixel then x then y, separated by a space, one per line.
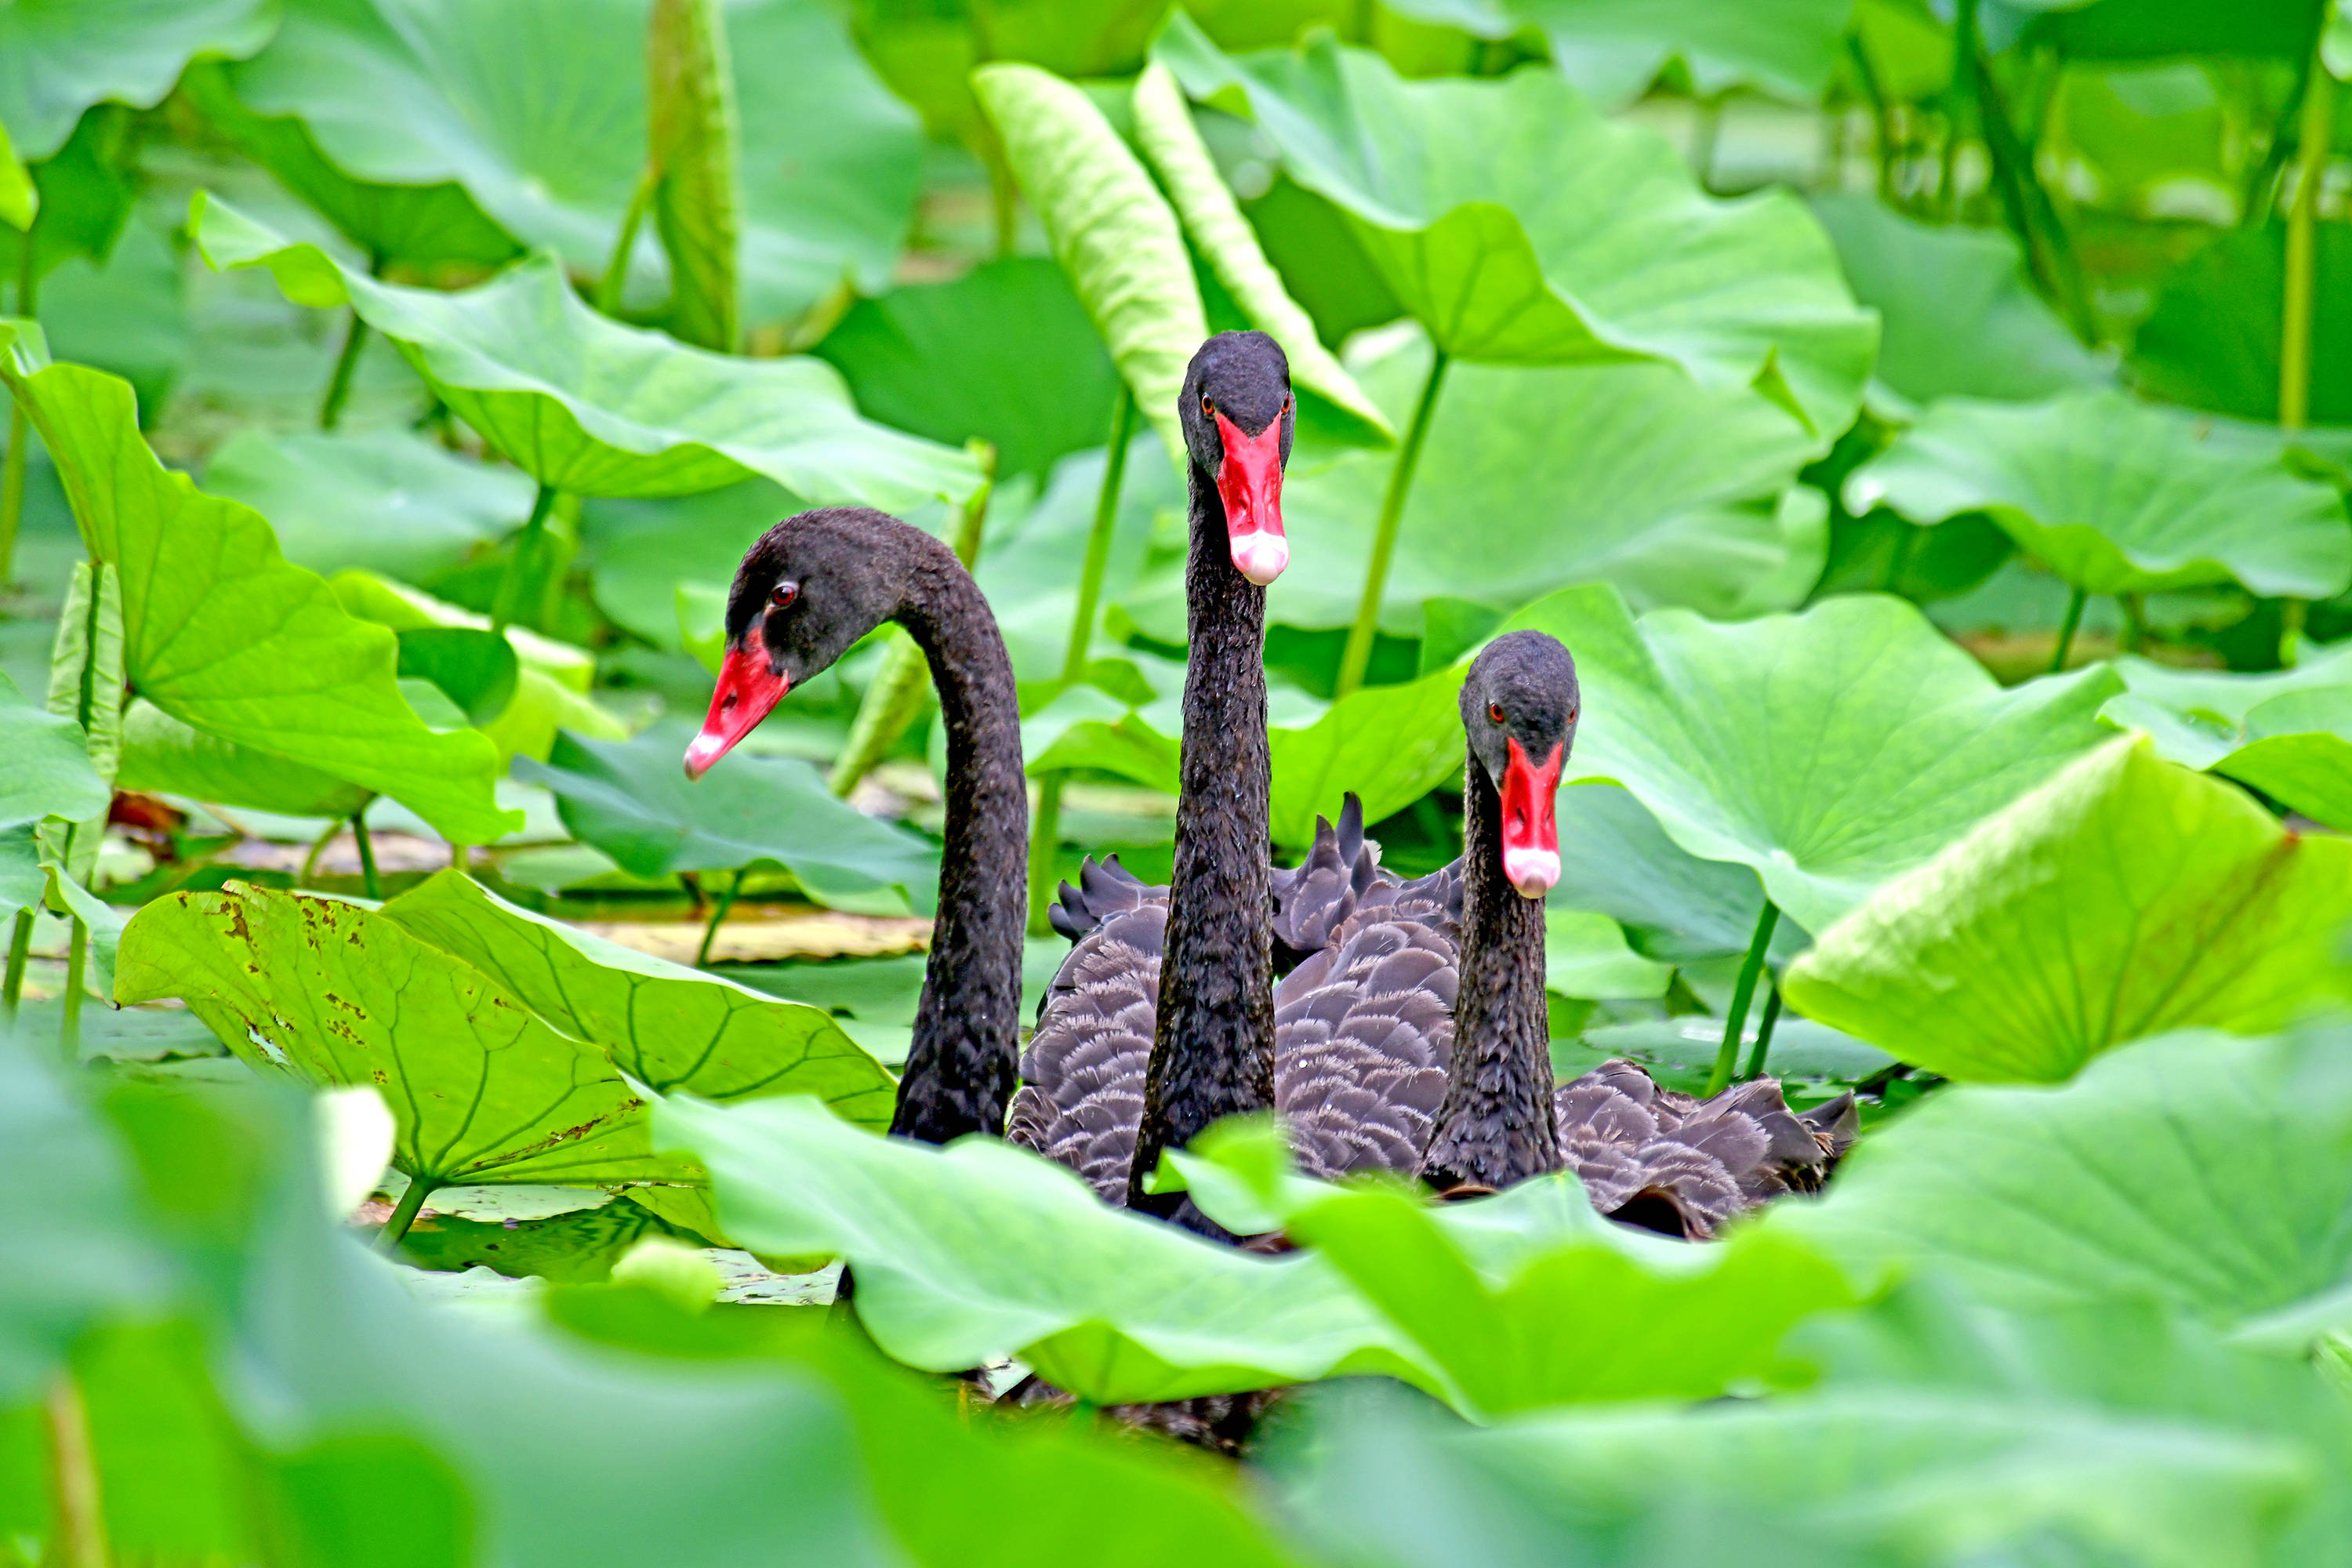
pixel 339 385
pixel 525 556
pixel 719 913
pixel 366 842
pixel 1357 656
pixel 610 288
pixel 2066 632
pixel 20 948
pixel 2294 316
pixel 1961 96
pixel 404 1213
pixel 12 490
pixel 317 848
pixel 1764 1030
pixel 70 1005
pixel 1736 1021
pixel 1046 827
pixel 76 1506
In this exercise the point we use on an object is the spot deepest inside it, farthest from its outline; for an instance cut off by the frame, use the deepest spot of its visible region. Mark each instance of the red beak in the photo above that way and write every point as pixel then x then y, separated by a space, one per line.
pixel 748 690
pixel 1530 836
pixel 1250 480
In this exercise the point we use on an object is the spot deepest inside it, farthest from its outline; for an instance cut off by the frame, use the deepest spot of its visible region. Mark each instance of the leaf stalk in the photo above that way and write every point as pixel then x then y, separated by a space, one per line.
pixel 1734 1022
pixel 2066 632
pixel 20 948
pixel 1357 656
pixel 366 842
pixel 404 1212
pixel 525 557
pixel 717 914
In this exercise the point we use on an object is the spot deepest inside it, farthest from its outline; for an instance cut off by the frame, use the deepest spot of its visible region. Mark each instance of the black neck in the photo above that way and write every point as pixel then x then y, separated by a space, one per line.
pixel 960 1067
pixel 1212 1051
pixel 1495 1127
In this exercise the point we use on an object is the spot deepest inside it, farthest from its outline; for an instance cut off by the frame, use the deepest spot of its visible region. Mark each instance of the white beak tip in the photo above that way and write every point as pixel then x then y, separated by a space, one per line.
pixel 1534 872
pixel 705 750
pixel 1261 557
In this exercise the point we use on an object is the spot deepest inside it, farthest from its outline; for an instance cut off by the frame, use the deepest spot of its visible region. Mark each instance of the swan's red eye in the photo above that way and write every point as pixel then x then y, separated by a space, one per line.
pixel 784 595
pixel 1495 712
pixel 1206 407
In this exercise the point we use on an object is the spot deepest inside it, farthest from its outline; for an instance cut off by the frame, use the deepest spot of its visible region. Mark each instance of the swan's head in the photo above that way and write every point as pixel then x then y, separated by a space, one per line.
pixel 1238 414
pixel 811 586
pixel 1519 704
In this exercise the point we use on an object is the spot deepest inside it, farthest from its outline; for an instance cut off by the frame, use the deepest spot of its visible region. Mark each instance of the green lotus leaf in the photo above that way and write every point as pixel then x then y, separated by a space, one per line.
pixel 2212 339
pixel 2201 1171
pixel 127 313
pixel 1612 50
pixel 1390 746
pixel 2157 29
pixel 1828 751
pixel 162 755
pixel 63 58
pixel 533 122
pixel 20 199
pixel 2118 496
pixel 1164 129
pixel 630 799
pixel 1617 861
pixel 1925 1475
pixel 383 501
pixel 474 668
pixel 692 163
pixel 644 554
pixel 1958 315
pixel 1026 564
pixel 667 1027
pixel 328 993
pixel 927 52
pixel 981 1250
pixel 586 405
pixel 1005 352
pixel 224 635
pixel 1512 1296
pixel 1585 955
pixel 1535 479
pixel 2127 897
pixel 24 882
pixel 48 772
pixel 1521 227
pixel 407 609
pixel 1112 231
pixel 2288 734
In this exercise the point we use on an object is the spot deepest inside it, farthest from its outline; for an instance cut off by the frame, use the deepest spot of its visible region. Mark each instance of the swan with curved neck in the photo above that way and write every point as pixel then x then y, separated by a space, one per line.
pixel 810 587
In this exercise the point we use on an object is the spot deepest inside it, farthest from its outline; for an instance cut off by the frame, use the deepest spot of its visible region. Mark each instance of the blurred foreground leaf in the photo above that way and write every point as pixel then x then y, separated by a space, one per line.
pixel 2287 734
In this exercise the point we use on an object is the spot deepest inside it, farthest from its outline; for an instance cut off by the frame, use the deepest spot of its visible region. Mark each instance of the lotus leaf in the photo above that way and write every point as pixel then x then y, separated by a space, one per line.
pixel 1112 231
pixel 1616 860
pixel 1535 479
pixel 1330 399
pixel 692 166
pixel 2118 496
pixel 20 199
pixel 927 55
pixel 63 58
pixel 2124 898
pixel 2153 29
pixel 1846 1476
pixel 222 634
pixel 1387 744
pixel 1828 751
pixel 1521 227
pixel 2289 733
pixel 667 1027
pixel 1005 352
pixel 1613 48
pixel 981 1250
pixel 1957 314
pixel 2198 1170
pixel 536 116
pixel 48 772
pixel 644 553
pixel 629 799
pixel 1585 955
pixel 381 501
pixel 330 993
pixel 2212 339
pixel 162 755
pixel 585 404
pixel 1025 566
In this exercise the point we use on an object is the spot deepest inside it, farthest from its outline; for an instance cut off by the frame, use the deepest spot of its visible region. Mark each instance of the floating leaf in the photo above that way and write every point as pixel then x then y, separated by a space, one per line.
pixel 2198 1170
pixel 2288 734
pixel 381 501
pixel 1163 127
pixel 586 405
pixel 2124 898
pixel 1958 315
pixel 692 164
pixel 1112 232
pixel 2118 496
pixel 981 1250
pixel 1829 751
pixel 631 800
pixel 328 993
pixel 63 58
pixel 667 1027
pixel 1521 227
pixel 1005 352
pixel 1535 479
pixel 224 635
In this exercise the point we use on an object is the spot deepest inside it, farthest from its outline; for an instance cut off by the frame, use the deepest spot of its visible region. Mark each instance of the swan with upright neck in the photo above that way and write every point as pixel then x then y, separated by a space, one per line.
pixel 810 587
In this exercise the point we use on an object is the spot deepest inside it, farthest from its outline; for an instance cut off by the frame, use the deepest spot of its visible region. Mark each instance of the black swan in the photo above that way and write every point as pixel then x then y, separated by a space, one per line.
pixel 1646 1155
pixel 809 588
